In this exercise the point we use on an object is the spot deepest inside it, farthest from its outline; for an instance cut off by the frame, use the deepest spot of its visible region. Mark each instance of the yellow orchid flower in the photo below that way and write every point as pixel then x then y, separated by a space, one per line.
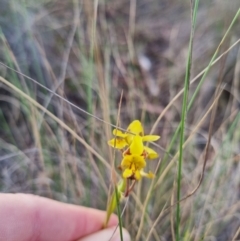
pixel 132 165
pixel 125 139
pixel 134 161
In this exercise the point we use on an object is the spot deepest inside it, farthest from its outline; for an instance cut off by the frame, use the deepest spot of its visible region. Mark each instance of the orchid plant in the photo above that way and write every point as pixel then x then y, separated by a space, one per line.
pixel 134 156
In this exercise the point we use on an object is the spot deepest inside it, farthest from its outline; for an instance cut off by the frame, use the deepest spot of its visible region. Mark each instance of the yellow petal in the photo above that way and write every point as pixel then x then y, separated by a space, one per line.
pixel 138 161
pixel 150 138
pixel 129 139
pixel 136 147
pixel 126 162
pixel 118 143
pixel 136 128
pixel 127 173
pixel 151 154
pixel 119 133
pixel 148 175
pixel 137 175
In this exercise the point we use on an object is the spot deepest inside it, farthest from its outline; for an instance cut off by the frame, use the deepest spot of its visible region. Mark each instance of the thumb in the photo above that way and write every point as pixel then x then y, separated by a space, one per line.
pixel 107 235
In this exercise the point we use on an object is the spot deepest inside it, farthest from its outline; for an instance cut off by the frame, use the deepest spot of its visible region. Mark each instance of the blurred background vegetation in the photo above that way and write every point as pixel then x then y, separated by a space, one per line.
pixel 90 51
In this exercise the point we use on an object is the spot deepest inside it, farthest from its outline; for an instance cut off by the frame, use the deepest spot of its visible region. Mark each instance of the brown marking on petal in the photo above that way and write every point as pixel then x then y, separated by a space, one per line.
pixel 127 152
pixel 145 154
pixel 132 177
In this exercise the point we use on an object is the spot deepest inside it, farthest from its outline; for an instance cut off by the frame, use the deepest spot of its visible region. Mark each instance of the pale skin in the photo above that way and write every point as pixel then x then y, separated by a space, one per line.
pixel 25 217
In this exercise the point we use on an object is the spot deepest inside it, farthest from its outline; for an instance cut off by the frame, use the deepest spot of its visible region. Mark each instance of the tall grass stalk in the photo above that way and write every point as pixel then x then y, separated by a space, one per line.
pixel 212 60
pixel 204 74
pixel 170 165
pixel 183 116
pixel 92 48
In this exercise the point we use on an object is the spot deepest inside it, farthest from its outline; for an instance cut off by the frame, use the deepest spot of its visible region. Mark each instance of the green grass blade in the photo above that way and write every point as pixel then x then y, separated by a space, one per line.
pixel 212 60
pixel 191 101
pixel 200 85
pixel 183 116
pixel 119 213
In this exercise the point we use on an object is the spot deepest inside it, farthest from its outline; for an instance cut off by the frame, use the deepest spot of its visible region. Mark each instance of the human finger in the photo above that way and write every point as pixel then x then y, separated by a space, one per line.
pixel 26 217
